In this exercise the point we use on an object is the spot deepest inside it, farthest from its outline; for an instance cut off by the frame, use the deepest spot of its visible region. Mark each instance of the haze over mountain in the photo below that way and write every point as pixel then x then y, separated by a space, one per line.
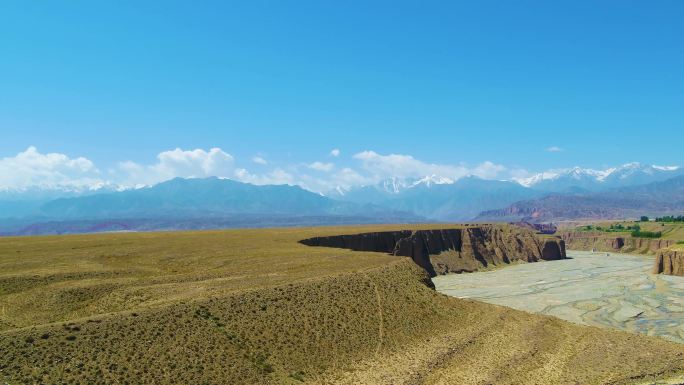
pixel 192 203
pixel 201 198
pixel 440 198
pixel 221 202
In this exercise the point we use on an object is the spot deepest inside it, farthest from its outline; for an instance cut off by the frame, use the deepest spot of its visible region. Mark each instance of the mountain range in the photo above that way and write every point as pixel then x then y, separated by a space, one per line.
pixel 440 198
pixel 652 199
pixel 194 203
pixel 626 191
pixel 577 178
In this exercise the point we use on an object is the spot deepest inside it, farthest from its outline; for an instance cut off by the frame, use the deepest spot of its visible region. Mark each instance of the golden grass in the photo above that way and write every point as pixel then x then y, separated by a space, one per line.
pixel 57 278
pixel 256 307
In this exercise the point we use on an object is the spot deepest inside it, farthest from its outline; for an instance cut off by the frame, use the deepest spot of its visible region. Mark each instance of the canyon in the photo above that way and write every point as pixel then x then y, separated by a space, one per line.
pixel 454 250
pixel 669 258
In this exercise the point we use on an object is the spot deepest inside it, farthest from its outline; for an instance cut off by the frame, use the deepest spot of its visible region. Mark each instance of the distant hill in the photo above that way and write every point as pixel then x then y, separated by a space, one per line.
pixel 657 198
pixel 196 204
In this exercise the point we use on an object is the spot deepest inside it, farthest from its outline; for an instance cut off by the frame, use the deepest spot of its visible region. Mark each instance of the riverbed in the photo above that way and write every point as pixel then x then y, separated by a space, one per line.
pixel 599 289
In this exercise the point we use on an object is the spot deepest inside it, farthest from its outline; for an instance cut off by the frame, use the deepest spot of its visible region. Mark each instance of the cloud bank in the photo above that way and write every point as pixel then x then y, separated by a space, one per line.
pixel 176 163
pixel 32 169
pixel 406 166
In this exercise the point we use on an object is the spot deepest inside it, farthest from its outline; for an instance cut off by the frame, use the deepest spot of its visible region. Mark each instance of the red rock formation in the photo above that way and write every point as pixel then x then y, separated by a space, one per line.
pixel 453 250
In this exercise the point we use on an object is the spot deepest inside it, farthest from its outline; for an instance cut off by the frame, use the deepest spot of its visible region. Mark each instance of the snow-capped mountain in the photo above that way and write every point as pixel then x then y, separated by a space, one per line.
pixel 443 198
pixel 438 197
pixel 391 186
pixel 432 180
pixel 397 185
pixel 432 196
pixel 630 174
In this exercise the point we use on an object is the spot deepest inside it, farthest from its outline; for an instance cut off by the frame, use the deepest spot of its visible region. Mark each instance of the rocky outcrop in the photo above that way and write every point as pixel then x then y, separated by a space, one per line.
pixel 670 262
pixel 581 240
pixel 455 250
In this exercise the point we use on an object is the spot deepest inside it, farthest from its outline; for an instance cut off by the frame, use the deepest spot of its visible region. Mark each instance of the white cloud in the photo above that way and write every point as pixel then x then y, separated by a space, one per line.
pixel 320 166
pixel 406 166
pixel 335 152
pixel 488 170
pixel 32 168
pixel 196 163
pixel 348 177
pixel 259 160
pixel 277 176
pixel 344 178
pixel 554 149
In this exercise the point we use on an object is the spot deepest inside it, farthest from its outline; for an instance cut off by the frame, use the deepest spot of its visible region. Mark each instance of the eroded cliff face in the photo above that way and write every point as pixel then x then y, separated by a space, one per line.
pixel 670 262
pixel 623 244
pixel 456 250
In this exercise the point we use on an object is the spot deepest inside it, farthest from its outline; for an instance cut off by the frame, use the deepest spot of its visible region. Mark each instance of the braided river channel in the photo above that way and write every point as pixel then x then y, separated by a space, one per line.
pixel 599 289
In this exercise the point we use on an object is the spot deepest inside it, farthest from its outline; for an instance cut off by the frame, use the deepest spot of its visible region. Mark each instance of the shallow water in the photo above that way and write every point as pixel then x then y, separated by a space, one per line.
pixel 616 291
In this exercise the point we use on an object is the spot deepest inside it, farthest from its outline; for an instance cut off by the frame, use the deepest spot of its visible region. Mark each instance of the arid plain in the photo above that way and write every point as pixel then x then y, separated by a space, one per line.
pixel 258 307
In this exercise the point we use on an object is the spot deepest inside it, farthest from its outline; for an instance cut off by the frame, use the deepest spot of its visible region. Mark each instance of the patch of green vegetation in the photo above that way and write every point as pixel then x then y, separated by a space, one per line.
pixel 670 219
pixel 613 228
pixel 646 234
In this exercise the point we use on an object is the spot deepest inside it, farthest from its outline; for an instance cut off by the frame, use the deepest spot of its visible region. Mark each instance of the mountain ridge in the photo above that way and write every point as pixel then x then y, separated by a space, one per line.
pixel 656 198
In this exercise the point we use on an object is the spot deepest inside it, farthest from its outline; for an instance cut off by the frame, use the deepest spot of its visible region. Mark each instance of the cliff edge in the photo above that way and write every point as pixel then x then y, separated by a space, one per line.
pixel 454 250
pixel 580 240
pixel 670 262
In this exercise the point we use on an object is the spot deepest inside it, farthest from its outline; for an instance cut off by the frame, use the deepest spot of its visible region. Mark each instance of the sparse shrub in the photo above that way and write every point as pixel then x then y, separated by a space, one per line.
pixel 299 376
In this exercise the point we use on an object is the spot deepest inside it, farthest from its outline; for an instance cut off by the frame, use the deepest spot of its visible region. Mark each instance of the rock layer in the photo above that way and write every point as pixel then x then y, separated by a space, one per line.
pixel 670 262
pixel 600 242
pixel 453 250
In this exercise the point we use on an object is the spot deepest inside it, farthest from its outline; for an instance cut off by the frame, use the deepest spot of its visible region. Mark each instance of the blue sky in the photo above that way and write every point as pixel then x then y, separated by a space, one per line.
pixel 445 82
